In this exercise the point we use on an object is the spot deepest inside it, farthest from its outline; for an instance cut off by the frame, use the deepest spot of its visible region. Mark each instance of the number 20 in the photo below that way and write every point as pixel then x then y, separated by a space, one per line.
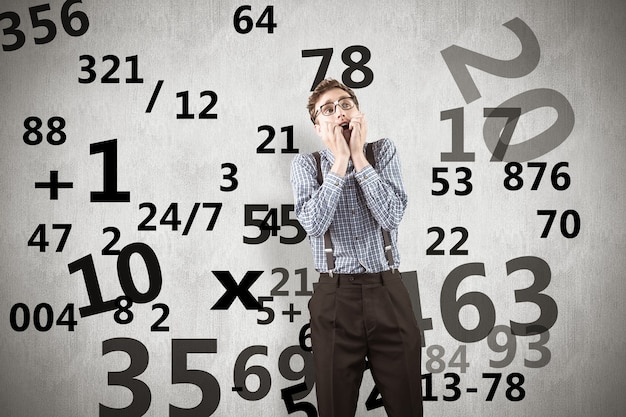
pixel 496 137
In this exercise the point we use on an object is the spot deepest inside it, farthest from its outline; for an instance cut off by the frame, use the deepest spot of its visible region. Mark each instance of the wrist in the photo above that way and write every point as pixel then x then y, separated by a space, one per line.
pixel 340 166
pixel 360 161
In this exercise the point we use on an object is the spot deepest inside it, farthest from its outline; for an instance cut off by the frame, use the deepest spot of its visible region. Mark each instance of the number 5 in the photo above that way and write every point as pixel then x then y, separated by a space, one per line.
pixel 205 381
pixel 47 23
pixel 287 395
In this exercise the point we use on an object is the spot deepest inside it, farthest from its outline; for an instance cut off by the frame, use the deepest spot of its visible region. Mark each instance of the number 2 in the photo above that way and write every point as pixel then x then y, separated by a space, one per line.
pixel 458 59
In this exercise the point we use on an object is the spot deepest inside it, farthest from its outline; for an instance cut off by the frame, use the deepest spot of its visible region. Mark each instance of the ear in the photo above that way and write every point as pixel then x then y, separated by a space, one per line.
pixel 318 129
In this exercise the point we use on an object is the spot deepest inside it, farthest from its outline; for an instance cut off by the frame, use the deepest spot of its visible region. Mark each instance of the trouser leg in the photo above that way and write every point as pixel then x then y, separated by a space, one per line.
pixel 339 348
pixel 394 348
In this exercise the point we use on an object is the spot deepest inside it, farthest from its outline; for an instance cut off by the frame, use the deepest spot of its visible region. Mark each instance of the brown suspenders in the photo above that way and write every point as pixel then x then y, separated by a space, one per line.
pixel 328 244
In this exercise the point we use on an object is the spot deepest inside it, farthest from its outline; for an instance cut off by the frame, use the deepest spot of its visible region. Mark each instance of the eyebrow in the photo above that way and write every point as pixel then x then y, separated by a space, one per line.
pixel 330 102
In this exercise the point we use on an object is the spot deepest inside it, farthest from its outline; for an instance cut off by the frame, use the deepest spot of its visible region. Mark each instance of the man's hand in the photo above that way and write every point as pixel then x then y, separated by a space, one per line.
pixel 332 136
pixel 358 137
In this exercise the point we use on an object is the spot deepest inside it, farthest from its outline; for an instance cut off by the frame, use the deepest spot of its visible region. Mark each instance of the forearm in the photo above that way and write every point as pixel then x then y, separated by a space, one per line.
pixel 316 213
pixel 386 201
pixel 383 188
pixel 360 161
pixel 314 205
pixel 340 166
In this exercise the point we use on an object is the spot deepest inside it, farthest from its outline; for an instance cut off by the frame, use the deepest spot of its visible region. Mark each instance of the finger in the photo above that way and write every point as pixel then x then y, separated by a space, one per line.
pixel 339 131
pixel 330 127
pixel 356 121
pixel 329 130
pixel 355 135
pixel 354 125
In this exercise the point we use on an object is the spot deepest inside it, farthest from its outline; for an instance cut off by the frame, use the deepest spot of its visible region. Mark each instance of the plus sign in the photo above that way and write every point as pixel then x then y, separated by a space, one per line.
pixel 54 185
pixel 291 312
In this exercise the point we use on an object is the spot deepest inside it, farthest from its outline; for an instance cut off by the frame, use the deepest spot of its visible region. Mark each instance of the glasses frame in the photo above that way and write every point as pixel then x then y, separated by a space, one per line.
pixel 335 104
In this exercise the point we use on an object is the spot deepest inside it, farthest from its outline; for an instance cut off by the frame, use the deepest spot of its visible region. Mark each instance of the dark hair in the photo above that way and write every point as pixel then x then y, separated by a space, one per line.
pixel 321 88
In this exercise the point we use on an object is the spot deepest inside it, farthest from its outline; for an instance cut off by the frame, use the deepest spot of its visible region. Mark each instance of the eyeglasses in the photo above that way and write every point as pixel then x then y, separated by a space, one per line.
pixel 328 109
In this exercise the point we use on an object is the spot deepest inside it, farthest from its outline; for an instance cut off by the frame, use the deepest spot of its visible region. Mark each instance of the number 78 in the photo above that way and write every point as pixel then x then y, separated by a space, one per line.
pixel 346 57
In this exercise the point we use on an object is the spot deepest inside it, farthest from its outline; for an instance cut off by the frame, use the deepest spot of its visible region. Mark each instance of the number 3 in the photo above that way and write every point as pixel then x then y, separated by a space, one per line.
pixel 20 39
pixel 138 363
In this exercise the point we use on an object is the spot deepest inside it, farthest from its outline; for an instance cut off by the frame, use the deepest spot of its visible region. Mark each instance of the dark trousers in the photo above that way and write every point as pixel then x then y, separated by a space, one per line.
pixel 359 316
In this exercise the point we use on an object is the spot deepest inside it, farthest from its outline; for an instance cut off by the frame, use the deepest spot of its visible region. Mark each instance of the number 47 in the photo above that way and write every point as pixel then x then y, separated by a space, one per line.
pixel 40 232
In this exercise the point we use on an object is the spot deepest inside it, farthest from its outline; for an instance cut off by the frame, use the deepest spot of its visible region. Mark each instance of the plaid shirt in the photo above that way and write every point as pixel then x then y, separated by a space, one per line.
pixel 354 207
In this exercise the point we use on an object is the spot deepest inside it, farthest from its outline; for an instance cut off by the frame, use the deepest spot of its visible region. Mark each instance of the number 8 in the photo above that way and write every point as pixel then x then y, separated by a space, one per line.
pixel 368 75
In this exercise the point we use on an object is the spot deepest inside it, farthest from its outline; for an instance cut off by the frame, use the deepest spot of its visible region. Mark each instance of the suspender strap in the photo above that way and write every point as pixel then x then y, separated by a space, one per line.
pixel 328 250
pixel 388 251
pixel 318 163
pixel 328 244
pixel 369 155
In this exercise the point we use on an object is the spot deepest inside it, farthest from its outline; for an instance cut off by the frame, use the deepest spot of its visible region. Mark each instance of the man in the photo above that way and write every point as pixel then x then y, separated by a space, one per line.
pixel 360 308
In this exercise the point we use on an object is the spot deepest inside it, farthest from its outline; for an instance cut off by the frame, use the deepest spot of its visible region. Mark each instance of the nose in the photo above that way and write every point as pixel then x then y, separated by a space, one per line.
pixel 339 112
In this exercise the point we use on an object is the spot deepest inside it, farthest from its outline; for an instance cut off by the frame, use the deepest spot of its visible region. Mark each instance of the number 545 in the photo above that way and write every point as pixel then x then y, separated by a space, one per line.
pixel 269 224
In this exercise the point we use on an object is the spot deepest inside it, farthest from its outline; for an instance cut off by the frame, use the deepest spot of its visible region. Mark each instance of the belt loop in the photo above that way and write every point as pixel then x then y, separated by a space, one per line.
pixel 382 278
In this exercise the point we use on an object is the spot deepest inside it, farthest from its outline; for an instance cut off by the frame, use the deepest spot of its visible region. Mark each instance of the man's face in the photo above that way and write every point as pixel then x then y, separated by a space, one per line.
pixel 341 115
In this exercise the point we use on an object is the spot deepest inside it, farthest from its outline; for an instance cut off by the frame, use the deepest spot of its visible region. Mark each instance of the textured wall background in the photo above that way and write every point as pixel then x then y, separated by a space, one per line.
pixel 262 79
